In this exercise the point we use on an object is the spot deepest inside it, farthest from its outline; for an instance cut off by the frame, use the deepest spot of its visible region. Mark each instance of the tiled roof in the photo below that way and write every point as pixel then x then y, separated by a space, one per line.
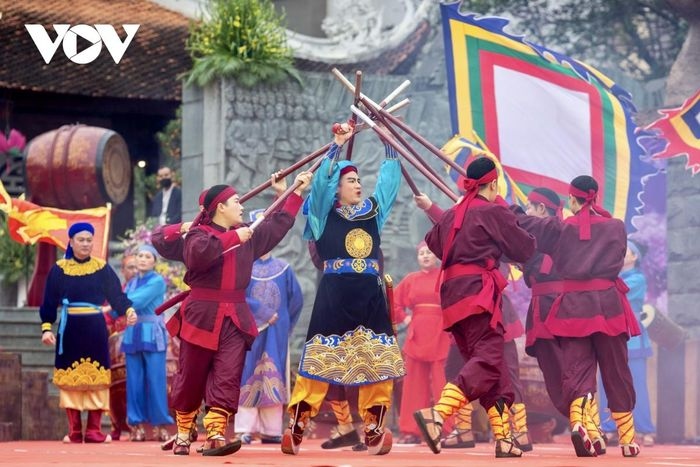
pixel 148 70
pixel 394 61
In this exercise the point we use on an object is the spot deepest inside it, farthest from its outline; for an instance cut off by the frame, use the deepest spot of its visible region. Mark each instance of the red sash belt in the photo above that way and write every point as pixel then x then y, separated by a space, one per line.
pixel 563 286
pixel 493 282
pixel 591 285
pixel 218 295
pixel 210 295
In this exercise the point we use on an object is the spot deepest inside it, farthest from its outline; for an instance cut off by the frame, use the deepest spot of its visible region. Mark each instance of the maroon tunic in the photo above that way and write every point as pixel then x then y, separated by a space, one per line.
pixel 490 230
pixel 169 242
pixel 539 342
pixel 218 278
pixel 535 277
pixel 590 296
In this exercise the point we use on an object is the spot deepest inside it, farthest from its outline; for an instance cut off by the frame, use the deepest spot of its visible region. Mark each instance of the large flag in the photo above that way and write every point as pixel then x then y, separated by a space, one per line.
pixel 548 117
pixel 29 223
pixel 680 127
pixel 463 151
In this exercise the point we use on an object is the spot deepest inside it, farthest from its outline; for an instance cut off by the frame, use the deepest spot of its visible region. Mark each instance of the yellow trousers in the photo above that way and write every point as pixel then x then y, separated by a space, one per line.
pixel 313 392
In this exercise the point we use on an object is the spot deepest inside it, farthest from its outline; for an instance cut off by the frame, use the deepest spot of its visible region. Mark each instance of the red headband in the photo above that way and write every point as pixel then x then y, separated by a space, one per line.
pixel 590 198
pixel 222 197
pixel 206 215
pixel 348 169
pixel 537 198
pixel 471 184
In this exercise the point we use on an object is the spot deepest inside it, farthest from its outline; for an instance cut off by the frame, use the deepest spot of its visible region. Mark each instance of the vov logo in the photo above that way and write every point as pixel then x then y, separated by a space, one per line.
pixel 68 36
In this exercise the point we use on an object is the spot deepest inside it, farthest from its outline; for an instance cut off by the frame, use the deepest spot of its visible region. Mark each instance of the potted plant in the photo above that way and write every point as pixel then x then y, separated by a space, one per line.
pixel 241 39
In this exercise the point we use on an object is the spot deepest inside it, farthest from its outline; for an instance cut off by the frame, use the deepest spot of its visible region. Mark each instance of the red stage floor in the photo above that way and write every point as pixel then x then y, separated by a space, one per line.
pixel 43 453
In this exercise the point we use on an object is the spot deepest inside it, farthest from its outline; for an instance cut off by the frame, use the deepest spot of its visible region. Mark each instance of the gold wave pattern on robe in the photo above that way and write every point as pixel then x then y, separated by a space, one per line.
pixel 357 357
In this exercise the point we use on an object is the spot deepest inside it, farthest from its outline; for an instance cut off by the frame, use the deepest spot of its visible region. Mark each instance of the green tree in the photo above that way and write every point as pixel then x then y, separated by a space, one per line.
pixel 640 37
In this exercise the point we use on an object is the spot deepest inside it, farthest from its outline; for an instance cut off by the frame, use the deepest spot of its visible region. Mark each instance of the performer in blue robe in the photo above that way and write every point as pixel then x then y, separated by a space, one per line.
pixel 145 346
pixel 78 285
pixel 639 350
pixel 350 340
pixel 264 391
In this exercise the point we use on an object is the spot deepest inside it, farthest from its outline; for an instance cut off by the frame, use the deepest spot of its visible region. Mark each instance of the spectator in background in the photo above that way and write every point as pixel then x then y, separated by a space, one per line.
pixel 264 384
pixel 129 268
pixel 115 328
pixel 167 203
pixel 426 346
pixel 639 350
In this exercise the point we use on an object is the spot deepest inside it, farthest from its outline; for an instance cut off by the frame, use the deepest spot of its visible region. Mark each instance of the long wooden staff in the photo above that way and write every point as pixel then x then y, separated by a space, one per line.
pixel 380 118
pixel 385 136
pixel 282 198
pixel 371 105
pixel 424 142
pixel 301 162
pixel 353 119
pixel 409 180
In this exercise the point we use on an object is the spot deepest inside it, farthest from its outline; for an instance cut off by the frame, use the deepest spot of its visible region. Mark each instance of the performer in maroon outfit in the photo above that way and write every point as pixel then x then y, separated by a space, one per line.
pixel 471 238
pixel 537 271
pixel 214 323
pixel 590 316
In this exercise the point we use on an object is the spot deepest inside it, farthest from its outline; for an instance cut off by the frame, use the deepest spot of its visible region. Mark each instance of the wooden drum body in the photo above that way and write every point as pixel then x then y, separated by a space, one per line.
pixel 78 167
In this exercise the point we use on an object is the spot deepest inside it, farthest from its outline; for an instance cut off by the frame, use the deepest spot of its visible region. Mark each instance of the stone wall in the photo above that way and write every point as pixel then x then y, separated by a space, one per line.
pixel 683 198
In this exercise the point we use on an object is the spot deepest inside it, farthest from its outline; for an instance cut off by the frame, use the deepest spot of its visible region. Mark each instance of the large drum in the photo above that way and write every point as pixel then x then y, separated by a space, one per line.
pixel 78 167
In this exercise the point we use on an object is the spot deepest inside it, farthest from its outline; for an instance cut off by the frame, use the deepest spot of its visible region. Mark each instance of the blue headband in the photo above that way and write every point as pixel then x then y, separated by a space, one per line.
pixel 148 248
pixel 80 227
pixel 76 229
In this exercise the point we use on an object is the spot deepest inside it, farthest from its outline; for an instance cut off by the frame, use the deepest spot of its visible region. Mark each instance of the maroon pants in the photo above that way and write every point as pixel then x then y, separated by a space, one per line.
pixel 581 356
pixel 484 375
pixel 212 375
pixel 510 355
pixel 549 358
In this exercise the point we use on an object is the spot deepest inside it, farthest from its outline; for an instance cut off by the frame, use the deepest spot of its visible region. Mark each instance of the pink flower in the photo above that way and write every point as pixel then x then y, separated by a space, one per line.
pixel 15 141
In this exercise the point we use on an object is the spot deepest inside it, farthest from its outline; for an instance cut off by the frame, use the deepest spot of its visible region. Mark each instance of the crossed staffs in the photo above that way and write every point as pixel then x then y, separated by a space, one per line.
pixel 322 151
pixel 396 140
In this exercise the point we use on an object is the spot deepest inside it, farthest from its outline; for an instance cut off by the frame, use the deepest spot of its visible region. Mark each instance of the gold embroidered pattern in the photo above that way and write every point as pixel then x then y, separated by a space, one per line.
pixel 266 386
pixel 82 376
pixel 73 268
pixel 358 243
pixel 357 357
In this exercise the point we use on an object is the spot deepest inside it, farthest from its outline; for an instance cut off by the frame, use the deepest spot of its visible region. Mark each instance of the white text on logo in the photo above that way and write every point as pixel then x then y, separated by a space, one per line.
pixel 68 36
